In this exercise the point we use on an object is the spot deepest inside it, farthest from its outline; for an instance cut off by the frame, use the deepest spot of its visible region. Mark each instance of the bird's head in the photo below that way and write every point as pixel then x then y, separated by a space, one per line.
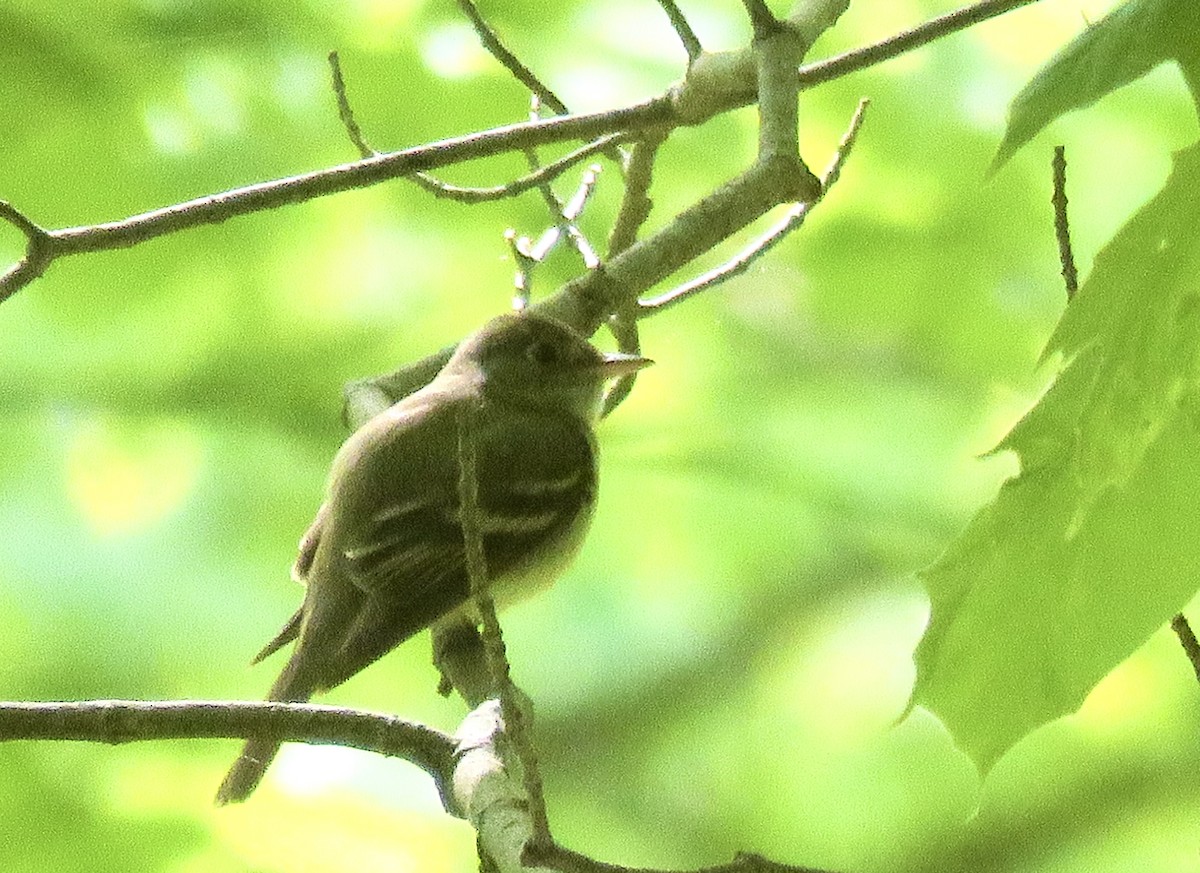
pixel 534 360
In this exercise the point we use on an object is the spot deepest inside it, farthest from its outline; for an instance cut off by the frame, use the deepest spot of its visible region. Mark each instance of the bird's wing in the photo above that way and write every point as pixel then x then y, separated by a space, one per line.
pixel 307 550
pixel 304 559
pixel 536 475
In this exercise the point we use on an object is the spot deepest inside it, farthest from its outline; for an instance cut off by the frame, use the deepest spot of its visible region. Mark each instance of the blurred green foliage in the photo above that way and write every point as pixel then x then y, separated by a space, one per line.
pixel 723 667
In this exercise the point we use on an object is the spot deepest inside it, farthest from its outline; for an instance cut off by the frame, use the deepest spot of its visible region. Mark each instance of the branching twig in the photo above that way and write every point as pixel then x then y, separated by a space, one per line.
pixel 635 203
pixel 39 251
pixel 492 43
pixel 634 210
pixel 894 46
pixel 1062 230
pixel 687 36
pixel 790 222
pixel 762 19
pixel 47 246
pixel 344 110
pixel 587 301
pixel 522 184
pixel 43 247
pixel 573 209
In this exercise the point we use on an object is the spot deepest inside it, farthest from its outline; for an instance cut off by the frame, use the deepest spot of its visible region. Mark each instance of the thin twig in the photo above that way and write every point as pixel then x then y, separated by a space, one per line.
pixel 216 208
pixel 344 110
pixel 936 28
pixel 687 36
pixel 493 639
pixel 518 247
pixel 492 42
pixel 659 112
pixel 522 184
pixel 1062 230
pixel 1191 647
pixel 121 721
pixel 554 205
pixel 791 221
pixel 635 202
pixel 634 210
pixel 572 211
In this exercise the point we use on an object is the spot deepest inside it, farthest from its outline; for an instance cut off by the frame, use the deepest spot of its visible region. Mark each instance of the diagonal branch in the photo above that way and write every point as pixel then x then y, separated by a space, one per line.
pixel 491 41
pixel 894 46
pixel 791 221
pixel 687 36
pixel 665 111
pixel 586 302
pixel 46 246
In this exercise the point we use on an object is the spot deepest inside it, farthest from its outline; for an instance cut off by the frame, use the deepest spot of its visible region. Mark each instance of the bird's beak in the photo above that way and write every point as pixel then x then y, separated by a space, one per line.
pixel 617 364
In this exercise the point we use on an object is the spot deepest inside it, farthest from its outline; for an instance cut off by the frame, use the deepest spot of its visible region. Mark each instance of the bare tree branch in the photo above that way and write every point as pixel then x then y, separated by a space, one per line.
pixel 558 858
pixel 790 222
pixel 118 721
pixel 635 203
pixel 670 109
pixel 344 110
pixel 495 47
pixel 894 46
pixel 762 19
pixel 522 184
pixel 46 246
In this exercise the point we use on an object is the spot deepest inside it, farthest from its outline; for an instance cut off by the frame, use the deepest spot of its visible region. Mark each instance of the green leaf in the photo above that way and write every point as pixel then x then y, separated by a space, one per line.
pixel 1097 542
pixel 1126 44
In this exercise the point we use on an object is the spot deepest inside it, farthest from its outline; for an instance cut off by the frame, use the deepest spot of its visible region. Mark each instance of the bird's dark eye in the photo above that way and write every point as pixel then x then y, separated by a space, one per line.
pixel 542 353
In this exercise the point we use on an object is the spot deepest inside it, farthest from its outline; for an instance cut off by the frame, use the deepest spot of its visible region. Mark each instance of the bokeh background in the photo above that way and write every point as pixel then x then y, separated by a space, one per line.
pixel 727 665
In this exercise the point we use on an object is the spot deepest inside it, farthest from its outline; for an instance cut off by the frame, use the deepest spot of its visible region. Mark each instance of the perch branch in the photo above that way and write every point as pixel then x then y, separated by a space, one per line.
pixel 514 723
pixel 557 858
pixel 118 721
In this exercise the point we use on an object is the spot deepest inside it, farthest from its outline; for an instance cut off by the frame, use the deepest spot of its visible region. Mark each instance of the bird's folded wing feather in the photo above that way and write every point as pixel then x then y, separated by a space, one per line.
pixel 532 485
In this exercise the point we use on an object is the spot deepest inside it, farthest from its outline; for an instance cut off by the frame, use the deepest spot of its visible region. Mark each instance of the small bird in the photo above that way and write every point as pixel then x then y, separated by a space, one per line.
pixel 385 556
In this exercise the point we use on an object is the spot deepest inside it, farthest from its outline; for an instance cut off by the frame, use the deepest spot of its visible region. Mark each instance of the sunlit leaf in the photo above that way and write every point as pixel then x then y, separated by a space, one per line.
pixel 1125 45
pixel 1096 543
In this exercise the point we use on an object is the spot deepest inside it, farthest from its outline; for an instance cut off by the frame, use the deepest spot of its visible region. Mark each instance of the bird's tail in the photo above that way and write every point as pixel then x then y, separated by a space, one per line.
pixel 247 771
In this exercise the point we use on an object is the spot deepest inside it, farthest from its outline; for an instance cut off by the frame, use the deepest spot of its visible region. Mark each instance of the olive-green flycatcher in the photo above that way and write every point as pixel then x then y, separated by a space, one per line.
pixel 385 556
